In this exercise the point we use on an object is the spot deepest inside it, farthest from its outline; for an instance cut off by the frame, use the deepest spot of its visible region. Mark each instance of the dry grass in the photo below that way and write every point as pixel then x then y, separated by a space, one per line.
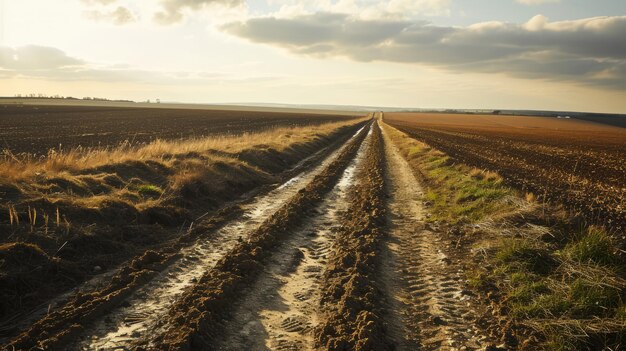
pixel 15 167
pixel 153 183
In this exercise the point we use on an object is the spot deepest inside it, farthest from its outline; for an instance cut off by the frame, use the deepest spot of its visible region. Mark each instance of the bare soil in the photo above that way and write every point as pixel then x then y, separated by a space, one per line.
pixel 36 129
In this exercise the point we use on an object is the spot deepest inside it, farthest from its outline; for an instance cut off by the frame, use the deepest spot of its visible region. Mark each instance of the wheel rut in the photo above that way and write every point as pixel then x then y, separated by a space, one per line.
pixel 261 282
pixel 429 308
pixel 280 311
pixel 137 315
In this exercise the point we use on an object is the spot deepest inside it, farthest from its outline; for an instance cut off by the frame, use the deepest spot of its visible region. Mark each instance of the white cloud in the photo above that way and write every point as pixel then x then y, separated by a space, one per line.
pixel 537 2
pixel 33 57
pixel 173 10
pixel 119 16
pixel 107 11
pixel 48 63
pixel 589 51
pixel 363 8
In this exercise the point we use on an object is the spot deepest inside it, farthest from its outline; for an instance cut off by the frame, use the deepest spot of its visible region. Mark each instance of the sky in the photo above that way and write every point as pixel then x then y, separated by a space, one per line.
pixel 478 54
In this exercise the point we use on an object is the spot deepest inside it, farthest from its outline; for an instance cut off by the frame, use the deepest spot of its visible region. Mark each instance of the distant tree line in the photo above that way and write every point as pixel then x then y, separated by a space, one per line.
pixel 57 96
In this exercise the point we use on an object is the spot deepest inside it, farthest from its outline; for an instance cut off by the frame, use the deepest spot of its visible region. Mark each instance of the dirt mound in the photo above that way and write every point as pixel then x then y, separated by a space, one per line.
pixel 22 257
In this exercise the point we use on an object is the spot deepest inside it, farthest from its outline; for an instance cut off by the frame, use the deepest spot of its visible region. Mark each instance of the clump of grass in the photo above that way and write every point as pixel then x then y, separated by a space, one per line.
pixel 532 256
pixel 415 150
pixel 149 190
pixel 583 283
pixel 530 197
pixel 593 245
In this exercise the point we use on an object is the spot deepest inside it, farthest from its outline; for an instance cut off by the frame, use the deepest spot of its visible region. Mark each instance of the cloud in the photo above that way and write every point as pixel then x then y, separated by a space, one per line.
pixel 35 58
pixel 365 9
pixel 47 63
pixel 173 9
pixel 120 16
pixel 589 51
pixel 98 2
pixel 537 2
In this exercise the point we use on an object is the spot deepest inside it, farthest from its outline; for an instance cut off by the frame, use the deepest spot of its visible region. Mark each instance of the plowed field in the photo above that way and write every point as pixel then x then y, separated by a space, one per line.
pixel 577 163
pixel 36 128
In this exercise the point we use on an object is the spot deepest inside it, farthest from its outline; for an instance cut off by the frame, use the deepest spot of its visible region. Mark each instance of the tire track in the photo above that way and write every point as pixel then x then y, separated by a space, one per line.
pixel 350 299
pixel 139 313
pixel 425 287
pixel 280 311
pixel 128 314
pixel 199 317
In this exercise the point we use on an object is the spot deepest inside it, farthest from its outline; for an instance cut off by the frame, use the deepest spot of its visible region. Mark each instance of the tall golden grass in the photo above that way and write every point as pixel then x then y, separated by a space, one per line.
pixel 16 167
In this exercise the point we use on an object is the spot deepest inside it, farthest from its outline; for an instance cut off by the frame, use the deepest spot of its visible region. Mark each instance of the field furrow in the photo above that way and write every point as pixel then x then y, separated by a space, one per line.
pixel 351 299
pixel 138 314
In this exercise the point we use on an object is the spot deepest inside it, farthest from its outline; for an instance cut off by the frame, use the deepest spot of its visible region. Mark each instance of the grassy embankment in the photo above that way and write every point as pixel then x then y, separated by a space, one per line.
pixel 544 269
pixel 76 213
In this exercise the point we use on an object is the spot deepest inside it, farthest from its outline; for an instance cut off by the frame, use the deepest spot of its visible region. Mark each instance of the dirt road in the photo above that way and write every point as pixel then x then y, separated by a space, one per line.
pixel 425 286
pixel 336 258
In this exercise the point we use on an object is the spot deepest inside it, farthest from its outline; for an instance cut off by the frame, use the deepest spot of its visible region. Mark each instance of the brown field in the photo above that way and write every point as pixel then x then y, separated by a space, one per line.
pixel 36 129
pixel 578 163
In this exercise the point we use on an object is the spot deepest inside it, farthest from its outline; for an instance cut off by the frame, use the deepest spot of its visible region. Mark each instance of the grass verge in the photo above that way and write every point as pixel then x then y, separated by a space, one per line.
pixel 559 283
pixel 455 193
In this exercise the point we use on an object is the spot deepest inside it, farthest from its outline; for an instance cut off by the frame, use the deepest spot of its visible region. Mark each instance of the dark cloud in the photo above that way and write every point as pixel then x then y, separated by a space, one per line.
pixel 590 51
pixel 173 9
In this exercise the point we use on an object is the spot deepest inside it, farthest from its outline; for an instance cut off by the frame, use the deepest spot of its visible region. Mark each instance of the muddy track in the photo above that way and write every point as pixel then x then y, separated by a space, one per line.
pixel 122 309
pixel 336 258
pixel 429 307
pixel 280 310
pixel 196 320
pixel 351 300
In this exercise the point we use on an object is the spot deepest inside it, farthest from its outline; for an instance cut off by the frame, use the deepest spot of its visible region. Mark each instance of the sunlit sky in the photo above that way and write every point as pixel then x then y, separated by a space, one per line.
pixel 509 54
